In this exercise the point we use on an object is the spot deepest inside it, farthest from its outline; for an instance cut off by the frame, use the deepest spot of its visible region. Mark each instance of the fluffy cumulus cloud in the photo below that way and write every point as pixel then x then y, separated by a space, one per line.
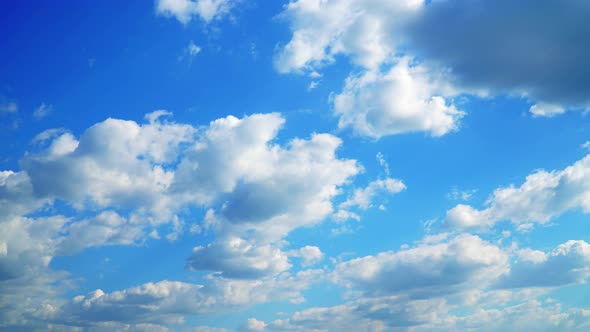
pixel 569 263
pixel 423 288
pixel 423 315
pixel 403 97
pixel 237 258
pixel 168 302
pixel 506 49
pixel 266 191
pixel 185 10
pixel 407 98
pixel 114 163
pixel 309 255
pixel 543 196
pixel 367 31
pixel 127 179
pixel 427 270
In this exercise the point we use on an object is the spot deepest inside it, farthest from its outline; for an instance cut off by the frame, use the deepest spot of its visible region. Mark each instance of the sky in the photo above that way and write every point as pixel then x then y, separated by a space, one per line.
pixel 294 165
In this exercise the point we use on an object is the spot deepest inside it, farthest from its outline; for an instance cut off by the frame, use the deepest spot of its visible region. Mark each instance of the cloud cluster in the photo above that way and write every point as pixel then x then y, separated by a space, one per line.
pixel 413 58
pixel 406 98
pixel 543 196
pixel 124 180
pixel 185 10
pixel 422 288
pixel 167 302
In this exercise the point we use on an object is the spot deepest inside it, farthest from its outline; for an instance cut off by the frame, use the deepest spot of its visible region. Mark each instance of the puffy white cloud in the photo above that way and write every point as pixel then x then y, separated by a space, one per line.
pixel 237 258
pixel 115 163
pixel 407 98
pixel 391 95
pixel 543 196
pixel 365 30
pixel 107 228
pixel 253 324
pixel 264 190
pixel 504 50
pixel 167 302
pixel 309 255
pixel 402 314
pixel 28 245
pixel 428 270
pixel 128 178
pixel 185 10
pixel 16 195
pixel 566 264
pixel 546 110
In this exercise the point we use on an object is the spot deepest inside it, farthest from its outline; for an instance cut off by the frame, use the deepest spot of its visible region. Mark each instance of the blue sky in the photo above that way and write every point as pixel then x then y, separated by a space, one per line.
pixel 312 165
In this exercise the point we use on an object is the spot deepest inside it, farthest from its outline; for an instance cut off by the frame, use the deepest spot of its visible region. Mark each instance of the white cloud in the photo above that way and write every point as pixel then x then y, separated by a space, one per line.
pixel 237 258
pixel 107 228
pixel 464 195
pixel 192 49
pixel 423 288
pixel 543 196
pixel 373 34
pixel 568 263
pixel 407 98
pixel 130 178
pixel 190 52
pixel 115 164
pixel 390 314
pixel 546 110
pixel 312 85
pixel 42 111
pixel 253 324
pixel 363 198
pixel 364 30
pixel 185 10
pixel 428 270
pixel 381 159
pixel 343 215
pixel 168 302
pixel 309 255
pixel 265 190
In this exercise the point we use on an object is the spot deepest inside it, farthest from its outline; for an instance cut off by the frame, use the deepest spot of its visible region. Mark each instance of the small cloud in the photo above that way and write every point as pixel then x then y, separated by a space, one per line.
pixel 524 228
pixel 154 116
pixel 185 10
pixel 190 51
pixel 315 74
pixel 586 145
pixel 460 195
pixel 42 111
pixel 383 162
pixel 255 325
pixel 312 85
pixel 343 215
pixel 91 62
pixel 546 110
